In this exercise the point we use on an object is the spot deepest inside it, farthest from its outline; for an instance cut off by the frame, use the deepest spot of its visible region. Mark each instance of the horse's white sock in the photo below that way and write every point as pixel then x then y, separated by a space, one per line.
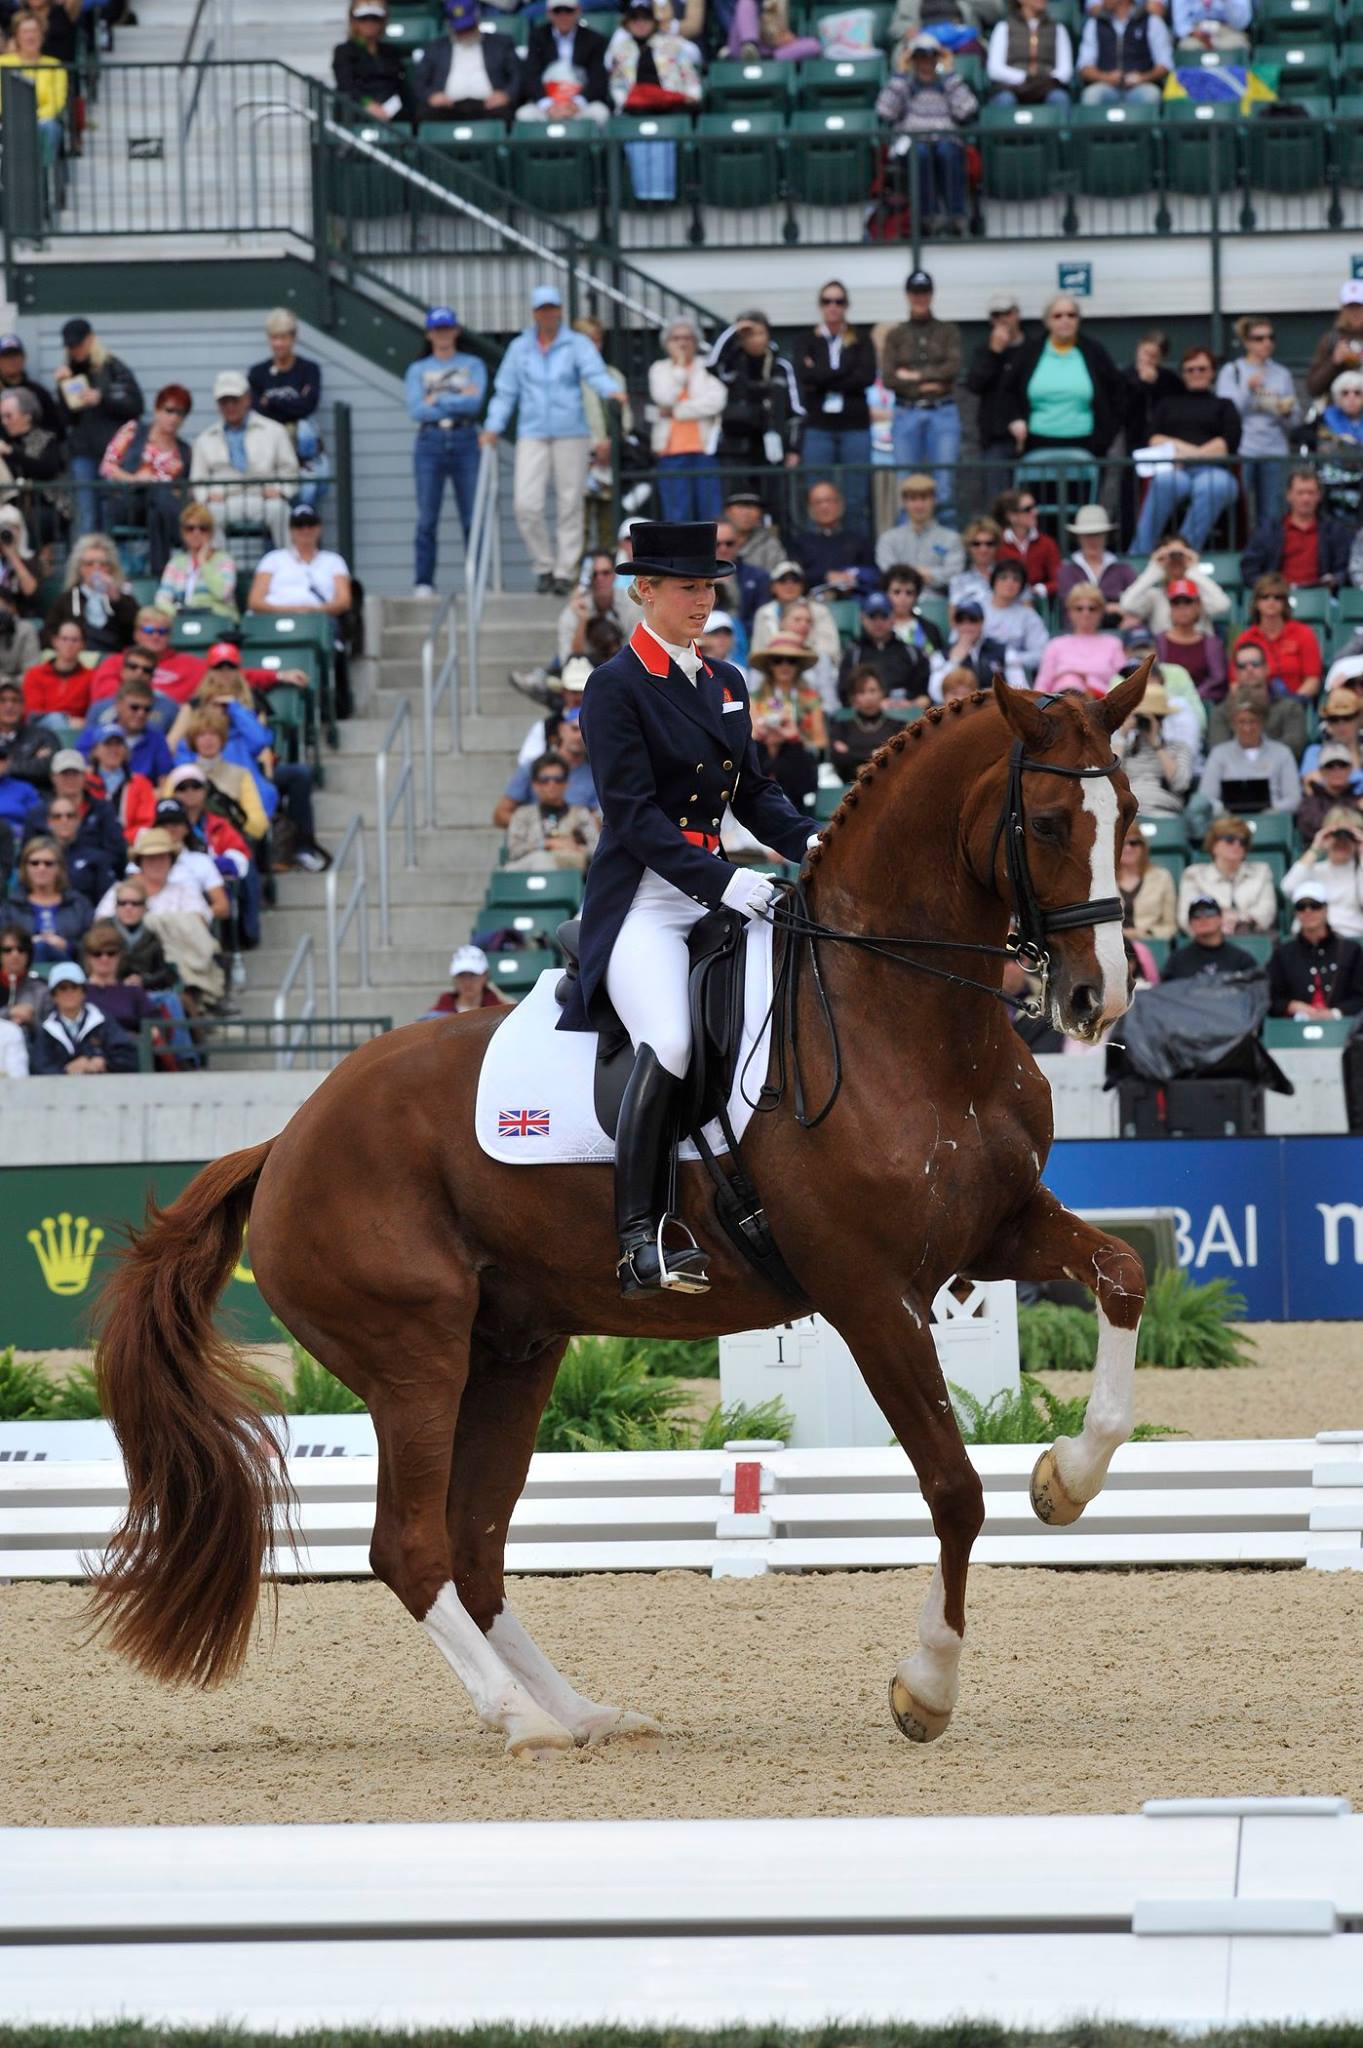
pixel 500 1698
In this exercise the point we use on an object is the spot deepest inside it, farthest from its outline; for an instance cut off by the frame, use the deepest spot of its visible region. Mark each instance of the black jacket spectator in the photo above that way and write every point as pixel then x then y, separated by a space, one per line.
pixel 363 74
pixel 90 1035
pixel 589 57
pixel 1107 386
pixel 1263 554
pixel 89 870
pixel 1187 963
pixel 286 395
pixel 111 637
pixel 71 919
pixel 1139 400
pixel 903 671
pixel 14 376
pixel 819 381
pixel 817 550
pixel 90 430
pixel 100 832
pixel 31 747
pixel 987 376
pixel 432 69
pixel 37 457
pixel 793 766
pixel 852 740
pixel 1198 417
pixel 1330 973
pixel 764 397
pixel 145 956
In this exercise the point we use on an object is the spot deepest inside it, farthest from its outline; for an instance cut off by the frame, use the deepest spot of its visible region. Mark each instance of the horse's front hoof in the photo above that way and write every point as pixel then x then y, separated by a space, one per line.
pixel 531 1737
pixel 615 1724
pixel 911 1717
pixel 1050 1502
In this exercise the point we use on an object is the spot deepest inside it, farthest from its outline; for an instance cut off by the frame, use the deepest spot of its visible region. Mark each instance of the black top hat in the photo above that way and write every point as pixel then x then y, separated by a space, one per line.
pixel 674 548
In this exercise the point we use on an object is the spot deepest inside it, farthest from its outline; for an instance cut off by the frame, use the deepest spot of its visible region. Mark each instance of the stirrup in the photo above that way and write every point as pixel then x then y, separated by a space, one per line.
pixel 684 1271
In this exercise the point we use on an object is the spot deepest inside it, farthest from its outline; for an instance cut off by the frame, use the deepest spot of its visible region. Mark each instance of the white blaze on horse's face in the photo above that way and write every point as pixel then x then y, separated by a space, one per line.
pixel 1100 801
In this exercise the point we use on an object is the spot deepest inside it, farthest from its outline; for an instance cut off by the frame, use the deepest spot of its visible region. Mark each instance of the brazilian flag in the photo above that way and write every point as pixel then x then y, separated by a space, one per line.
pixel 1210 83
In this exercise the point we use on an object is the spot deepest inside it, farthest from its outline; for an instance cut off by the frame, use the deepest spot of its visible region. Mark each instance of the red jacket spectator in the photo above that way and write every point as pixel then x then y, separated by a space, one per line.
pixel 221 837
pixel 1292 655
pixel 135 804
pixel 1038 554
pixel 177 676
pixel 47 689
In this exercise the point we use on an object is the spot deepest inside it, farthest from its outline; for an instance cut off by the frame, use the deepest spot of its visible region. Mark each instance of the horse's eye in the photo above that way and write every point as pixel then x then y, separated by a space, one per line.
pixel 1051 828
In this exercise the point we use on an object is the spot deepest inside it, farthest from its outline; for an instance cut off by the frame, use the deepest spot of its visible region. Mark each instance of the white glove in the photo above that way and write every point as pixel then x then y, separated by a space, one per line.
pixel 751 893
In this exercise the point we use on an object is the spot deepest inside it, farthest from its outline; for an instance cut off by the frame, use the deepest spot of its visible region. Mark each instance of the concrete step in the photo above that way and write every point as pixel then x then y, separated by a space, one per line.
pixel 528 628
pixel 490 732
pixel 417 964
pixel 403 1002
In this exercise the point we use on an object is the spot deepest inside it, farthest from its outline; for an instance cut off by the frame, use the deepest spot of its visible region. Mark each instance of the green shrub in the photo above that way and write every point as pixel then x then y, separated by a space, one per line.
pixel 680 1358
pixel 30 1393
pixel 1034 1415
pixel 1187 1323
pixel 739 1421
pixel 608 1398
pixel 316 1391
pixel 1055 1338
pixel 76 1398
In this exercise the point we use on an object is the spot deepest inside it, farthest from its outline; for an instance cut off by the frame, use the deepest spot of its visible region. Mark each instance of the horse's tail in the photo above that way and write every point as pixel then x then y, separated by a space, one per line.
pixel 180 1583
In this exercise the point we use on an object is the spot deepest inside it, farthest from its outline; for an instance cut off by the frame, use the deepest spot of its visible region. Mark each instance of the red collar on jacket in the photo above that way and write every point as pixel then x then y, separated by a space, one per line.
pixel 651 652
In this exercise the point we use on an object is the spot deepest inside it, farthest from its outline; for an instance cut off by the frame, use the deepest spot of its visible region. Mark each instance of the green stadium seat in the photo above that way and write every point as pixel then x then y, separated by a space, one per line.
pixel 846 614
pixel 604 20
pixel 144 588
pixel 1283 155
pixel 650 178
pixel 1259 945
pixel 411 31
pixel 1060 483
pixel 1115 150
pixel 1193 132
pixel 1020 150
pixel 195 632
pixel 1296 21
pixel 1320 1034
pixel 827 798
pixel 762 86
pixel 834 160
pixel 535 925
pixel 475 146
pixel 1164 835
pixel 1067 13
pixel 1311 604
pixel 285 630
pixel 1273 832
pixel 739 157
pixel 1159 950
pixel 559 890
pixel 1299 67
pixel 1223 568
pixel 1172 861
pixel 1346 136
pixel 1350 605
pixel 555 165
pixel 934 607
pixel 838 81
pixel 515 974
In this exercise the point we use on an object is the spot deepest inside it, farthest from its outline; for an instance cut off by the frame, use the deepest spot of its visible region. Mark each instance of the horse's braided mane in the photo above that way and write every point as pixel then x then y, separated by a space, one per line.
pixel 883 758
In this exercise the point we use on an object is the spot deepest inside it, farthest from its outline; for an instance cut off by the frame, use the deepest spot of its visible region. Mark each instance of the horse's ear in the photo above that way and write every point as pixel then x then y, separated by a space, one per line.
pixel 1119 703
pixel 1024 712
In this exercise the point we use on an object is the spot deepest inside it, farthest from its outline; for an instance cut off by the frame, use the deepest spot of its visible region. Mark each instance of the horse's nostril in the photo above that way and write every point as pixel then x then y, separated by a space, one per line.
pixel 1085 1002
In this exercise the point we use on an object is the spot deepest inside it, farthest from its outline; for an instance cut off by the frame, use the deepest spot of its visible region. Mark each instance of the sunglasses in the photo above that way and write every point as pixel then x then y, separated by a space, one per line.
pixel 61 814
pixel 13 949
pixel 41 860
pixel 1264 334
pixel 832 299
pixel 1184 600
pixel 908 495
pixel 551 778
pixel 1027 508
pixel 1086 606
pixel 102 952
pixel 155 632
pixel 193 525
pixel 127 902
pixel 984 542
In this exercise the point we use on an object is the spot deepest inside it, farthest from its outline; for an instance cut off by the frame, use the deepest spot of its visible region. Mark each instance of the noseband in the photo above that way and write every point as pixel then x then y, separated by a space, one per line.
pixel 1033 924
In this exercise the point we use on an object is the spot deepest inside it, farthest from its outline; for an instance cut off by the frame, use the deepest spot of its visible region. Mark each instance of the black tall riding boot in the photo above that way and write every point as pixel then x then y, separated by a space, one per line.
pixel 641 1139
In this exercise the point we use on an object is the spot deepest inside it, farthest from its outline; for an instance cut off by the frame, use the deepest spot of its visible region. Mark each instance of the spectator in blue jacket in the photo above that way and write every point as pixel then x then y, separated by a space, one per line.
pixel 75 1037
pixel 130 710
pixel 540 379
pixel 21 807
pixel 287 387
pixel 445 392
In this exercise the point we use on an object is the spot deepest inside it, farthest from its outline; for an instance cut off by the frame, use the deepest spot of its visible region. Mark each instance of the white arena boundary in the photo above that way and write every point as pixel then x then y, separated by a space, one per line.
pixel 1195 1913
pixel 749 1508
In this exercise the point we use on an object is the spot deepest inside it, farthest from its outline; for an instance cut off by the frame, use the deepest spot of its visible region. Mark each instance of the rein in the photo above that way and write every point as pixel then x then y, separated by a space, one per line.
pixel 1034 923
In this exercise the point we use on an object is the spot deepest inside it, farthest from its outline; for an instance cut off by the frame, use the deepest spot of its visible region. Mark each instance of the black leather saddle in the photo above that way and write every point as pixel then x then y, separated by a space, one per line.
pixel 715 993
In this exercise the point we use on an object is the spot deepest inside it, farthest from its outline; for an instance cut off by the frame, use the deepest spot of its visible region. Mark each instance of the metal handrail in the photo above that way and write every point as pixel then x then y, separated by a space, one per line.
pixel 356 910
pixel 482 556
pixel 403 792
pixel 434 687
pixel 304 962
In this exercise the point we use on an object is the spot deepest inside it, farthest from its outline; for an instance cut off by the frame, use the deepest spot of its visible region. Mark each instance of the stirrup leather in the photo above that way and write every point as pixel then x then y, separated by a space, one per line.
pixel 688 1274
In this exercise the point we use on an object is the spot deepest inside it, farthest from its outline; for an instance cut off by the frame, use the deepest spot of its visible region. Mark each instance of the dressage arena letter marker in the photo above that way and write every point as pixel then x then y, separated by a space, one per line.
pixel 744 1526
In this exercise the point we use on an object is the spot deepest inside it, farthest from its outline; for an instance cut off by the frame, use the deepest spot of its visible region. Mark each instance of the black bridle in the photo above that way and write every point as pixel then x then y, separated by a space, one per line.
pixel 1032 926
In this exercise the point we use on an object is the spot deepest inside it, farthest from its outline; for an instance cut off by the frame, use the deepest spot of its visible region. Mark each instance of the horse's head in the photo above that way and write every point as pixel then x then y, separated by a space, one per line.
pixel 1063 860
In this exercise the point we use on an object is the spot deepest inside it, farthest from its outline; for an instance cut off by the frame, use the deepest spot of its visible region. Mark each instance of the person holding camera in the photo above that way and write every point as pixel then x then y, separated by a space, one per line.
pixel 1333 866
pixel 923 104
pixel 1146 601
pixel 763 413
pixel 1159 770
pixel 549 832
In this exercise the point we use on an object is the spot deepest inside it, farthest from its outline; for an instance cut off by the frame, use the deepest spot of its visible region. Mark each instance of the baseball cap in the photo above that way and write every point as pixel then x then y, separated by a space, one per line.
pixel 918 280
pixel 1334 757
pixel 230 384
pixel 787 569
pixel 576 672
pixel 11 683
pixel 1350 292
pixel 368 10
pixel 1003 302
pixel 223 652
pixel 1182 586
pixel 66 970
pixel 967 609
pixel 304 514
pixel 925 42
pixel 876 606
pixel 67 757
pixel 1308 892
pixel 441 316
pixel 1204 906
pixel 1340 703
pixel 112 732
pixel 168 812
pixel 188 771
pixel 75 332
pixel 469 960
pixel 12 344
pixel 461 13
pixel 719 622
pixel 549 294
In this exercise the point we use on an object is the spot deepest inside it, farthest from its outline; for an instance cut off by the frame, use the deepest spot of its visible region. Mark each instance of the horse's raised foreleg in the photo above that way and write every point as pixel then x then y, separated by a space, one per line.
pixel 892 1343
pixel 1044 1241
pixel 498 1418
pixel 415 1417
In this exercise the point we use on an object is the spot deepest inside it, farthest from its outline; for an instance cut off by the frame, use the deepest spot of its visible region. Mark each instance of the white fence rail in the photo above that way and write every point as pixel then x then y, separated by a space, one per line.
pixel 756 1508
pixel 1193 1912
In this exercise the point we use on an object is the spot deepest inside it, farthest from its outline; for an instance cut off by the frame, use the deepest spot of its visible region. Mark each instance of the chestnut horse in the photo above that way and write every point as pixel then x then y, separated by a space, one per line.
pixel 443 1287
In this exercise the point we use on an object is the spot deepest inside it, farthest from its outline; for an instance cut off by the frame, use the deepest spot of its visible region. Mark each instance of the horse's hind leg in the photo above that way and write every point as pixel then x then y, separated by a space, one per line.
pixel 498 1418
pixel 1044 1241
pixel 415 1422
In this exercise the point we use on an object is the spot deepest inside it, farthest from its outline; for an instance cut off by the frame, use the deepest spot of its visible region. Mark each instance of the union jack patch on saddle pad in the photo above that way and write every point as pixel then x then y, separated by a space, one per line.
pixel 523 1123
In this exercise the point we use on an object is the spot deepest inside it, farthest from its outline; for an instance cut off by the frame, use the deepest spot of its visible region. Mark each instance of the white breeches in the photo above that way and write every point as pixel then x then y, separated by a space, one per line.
pixel 647 975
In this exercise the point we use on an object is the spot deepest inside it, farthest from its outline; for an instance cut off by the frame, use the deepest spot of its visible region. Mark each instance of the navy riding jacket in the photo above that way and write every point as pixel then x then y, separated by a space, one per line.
pixel 667 755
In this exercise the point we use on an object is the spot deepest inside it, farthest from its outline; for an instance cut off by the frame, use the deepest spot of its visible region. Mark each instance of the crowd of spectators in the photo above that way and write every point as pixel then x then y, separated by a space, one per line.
pixel 145 808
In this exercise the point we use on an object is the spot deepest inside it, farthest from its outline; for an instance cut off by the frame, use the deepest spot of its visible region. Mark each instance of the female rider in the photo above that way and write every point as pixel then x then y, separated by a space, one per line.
pixel 670 741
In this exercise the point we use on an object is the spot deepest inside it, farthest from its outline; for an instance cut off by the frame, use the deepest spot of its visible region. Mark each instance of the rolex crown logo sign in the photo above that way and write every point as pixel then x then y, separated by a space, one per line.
pixel 66 1255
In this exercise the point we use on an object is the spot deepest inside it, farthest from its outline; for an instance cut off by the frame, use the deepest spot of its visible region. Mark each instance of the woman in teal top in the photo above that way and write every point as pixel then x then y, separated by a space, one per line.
pixel 1065 389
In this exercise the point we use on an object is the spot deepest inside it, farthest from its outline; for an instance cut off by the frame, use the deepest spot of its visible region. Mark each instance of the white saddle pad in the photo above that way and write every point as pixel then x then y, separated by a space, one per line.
pixel 535 1102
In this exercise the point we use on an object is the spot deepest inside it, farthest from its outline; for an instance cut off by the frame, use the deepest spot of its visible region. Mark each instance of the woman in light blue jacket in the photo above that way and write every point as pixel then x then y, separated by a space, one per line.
pixel 1265 397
